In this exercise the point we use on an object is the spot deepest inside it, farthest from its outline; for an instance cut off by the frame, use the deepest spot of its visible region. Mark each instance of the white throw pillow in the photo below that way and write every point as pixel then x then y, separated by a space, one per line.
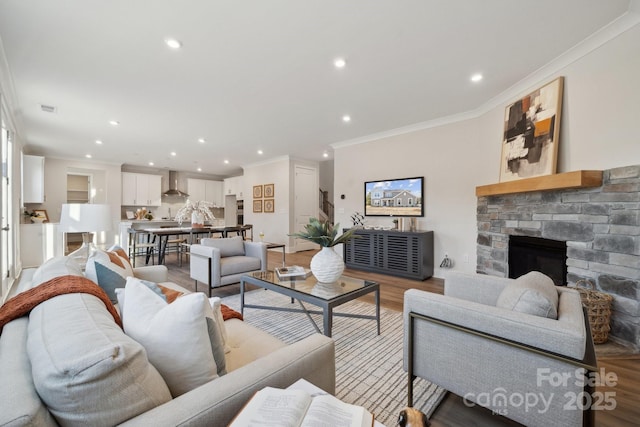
pixel 175 335
pixel 533 293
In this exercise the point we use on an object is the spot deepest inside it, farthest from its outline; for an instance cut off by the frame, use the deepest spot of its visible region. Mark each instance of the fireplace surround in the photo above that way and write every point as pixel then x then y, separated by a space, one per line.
pixel 601 228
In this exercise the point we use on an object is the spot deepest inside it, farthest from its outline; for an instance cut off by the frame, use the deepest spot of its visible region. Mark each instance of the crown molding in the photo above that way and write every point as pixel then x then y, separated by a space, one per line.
pixel 547 72
pixel 266 162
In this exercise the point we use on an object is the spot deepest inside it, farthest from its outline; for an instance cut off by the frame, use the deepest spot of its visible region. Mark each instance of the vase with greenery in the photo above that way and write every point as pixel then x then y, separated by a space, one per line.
pixel 197 212
pixel 327 266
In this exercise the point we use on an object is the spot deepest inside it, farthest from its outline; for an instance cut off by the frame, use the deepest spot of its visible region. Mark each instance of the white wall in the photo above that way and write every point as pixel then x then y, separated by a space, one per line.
pixel 599 130
pixel 275 226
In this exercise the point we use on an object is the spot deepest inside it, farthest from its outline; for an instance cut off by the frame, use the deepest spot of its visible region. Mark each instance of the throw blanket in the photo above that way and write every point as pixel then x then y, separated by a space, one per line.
pixel 24 302
pixel 229 313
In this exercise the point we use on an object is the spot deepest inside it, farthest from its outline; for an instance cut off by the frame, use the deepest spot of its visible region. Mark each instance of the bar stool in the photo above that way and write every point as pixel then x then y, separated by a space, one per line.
pixel 139 246
pixel 174 244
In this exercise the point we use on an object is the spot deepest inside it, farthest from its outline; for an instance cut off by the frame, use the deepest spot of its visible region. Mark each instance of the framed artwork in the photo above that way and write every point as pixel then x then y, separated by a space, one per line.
pixel 41 215
pixel 531 131
pixel 257 206
pixel 268 191
pixel 268 205
pixel 257 191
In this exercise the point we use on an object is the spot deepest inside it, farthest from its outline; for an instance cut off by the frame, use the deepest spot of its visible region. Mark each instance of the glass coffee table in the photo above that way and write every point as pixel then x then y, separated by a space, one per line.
pixel 326 296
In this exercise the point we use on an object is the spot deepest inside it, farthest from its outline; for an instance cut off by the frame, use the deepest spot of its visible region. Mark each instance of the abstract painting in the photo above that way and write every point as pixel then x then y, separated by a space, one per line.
pixel 531 130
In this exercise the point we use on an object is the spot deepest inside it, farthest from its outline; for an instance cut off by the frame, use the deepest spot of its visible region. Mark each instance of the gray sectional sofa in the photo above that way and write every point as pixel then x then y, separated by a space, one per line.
pixel 85 364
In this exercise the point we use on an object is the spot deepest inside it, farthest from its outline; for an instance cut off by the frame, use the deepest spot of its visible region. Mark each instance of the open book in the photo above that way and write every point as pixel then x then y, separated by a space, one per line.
pixel 297 408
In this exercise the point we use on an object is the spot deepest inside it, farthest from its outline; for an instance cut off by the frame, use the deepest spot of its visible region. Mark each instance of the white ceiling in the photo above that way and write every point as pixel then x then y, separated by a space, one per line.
pixel 259 74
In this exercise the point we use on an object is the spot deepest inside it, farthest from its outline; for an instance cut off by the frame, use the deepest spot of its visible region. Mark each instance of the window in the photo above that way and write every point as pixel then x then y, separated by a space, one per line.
pixel 7 233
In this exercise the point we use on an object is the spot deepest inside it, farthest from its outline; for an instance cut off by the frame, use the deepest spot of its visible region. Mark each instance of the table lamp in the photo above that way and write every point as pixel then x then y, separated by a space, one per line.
pixel 84 218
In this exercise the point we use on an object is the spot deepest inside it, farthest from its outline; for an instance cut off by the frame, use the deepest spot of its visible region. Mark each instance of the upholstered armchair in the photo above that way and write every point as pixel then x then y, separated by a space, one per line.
pixel 480 341
pixel 219 262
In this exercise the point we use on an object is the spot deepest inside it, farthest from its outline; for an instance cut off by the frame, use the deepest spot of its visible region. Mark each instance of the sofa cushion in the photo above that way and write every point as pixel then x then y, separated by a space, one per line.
pixel 20 402
pixel 230 246
pixel 54 267
pixel 176 335
pixel 109 269
pixel 533 293
pixel 248 344
pixel 238 264
pixel 79 356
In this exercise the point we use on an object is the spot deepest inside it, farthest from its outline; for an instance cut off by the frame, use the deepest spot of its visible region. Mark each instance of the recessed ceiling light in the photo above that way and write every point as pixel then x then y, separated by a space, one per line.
pixel 346 118
pixel 226 162
pixel 88 156
pixel 325 154
pixel 98 142
pixel 476 78
pixel 201 140
pixel 173 153
pixel 173 43
pixel 199 169
pixel 114 122
pixel 260 152
pixel 339 63
pixel 151 163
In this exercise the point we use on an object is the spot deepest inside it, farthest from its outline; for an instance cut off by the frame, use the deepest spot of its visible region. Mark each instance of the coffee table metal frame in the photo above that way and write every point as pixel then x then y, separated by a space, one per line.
pixel 327 305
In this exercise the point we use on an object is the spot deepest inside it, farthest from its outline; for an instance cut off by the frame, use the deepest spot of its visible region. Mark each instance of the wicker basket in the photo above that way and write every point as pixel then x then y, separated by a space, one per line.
pixel 598 305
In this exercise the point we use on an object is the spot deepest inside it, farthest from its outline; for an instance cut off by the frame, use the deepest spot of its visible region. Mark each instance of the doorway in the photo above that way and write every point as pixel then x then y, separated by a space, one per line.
pixel 78 191
pixel 305 188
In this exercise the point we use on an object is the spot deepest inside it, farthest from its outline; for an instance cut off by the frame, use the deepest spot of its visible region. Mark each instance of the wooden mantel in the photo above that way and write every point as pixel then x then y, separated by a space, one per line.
pixel 575 179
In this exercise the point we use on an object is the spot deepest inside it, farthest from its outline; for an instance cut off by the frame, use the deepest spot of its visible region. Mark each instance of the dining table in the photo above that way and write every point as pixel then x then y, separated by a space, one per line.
pixel 163 233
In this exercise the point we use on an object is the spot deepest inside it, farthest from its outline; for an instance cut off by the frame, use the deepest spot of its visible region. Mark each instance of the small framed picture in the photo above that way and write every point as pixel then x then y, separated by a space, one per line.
pixel 257 206
pixel 268 191
pixel 257 191
pixel 131 215
pixel 41 215
pixel 269 205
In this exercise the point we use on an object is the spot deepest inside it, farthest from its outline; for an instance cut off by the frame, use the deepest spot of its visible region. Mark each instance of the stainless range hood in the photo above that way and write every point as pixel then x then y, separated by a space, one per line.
pixel 173 187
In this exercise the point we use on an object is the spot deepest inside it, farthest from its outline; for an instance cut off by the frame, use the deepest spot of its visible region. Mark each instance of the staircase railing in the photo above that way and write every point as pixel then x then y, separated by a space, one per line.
pixel 325 205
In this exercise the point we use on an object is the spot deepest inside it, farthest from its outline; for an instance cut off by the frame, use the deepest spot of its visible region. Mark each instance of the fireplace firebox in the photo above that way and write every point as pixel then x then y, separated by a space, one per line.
pixel 537 254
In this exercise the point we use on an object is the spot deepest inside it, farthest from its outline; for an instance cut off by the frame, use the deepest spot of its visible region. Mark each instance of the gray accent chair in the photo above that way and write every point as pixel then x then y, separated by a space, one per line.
pixel 494 357
pixel 220 262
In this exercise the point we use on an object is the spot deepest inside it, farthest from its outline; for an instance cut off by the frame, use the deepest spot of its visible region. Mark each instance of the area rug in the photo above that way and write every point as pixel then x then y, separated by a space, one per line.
pixel 369 369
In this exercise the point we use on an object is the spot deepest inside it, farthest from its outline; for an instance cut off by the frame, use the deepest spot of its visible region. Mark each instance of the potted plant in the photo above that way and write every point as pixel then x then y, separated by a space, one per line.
pixel 198 212
pixel 327 266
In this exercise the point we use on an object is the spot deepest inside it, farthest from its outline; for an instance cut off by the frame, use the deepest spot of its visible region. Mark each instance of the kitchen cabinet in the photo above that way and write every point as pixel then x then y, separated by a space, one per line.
pixel 140 189
pixel 203 189
pixel 234 186
pixel 32 179
pixel 38 243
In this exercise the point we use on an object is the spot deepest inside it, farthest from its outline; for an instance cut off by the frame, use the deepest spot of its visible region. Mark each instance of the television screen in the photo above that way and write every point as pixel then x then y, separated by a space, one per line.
pixel 394 197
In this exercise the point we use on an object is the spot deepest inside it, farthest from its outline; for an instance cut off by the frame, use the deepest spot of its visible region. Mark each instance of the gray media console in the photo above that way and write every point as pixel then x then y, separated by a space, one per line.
pixel 397 253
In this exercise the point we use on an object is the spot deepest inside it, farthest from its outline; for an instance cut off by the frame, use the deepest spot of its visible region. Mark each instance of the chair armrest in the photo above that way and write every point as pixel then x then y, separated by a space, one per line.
pixel 479 288
pixel 200 257
pixel 564 336
pixel 218 401
pixel 257 250
pixel 152 273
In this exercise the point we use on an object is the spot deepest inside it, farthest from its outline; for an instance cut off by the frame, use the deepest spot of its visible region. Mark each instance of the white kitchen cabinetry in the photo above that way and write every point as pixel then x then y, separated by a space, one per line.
pixel 32 179
pixel 203 189
pixel 140 189
pixel 234 186
pixel 38 243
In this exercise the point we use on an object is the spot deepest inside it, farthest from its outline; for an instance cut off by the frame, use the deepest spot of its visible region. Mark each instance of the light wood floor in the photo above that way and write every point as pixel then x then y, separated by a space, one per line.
pixel 452 412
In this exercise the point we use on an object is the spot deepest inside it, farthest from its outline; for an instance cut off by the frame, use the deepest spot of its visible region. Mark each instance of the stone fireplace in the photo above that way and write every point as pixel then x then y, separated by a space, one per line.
pixel 601 228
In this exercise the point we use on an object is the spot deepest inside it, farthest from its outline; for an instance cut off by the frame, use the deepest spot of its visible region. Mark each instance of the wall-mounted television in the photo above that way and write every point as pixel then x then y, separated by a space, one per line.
pixel 394 197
